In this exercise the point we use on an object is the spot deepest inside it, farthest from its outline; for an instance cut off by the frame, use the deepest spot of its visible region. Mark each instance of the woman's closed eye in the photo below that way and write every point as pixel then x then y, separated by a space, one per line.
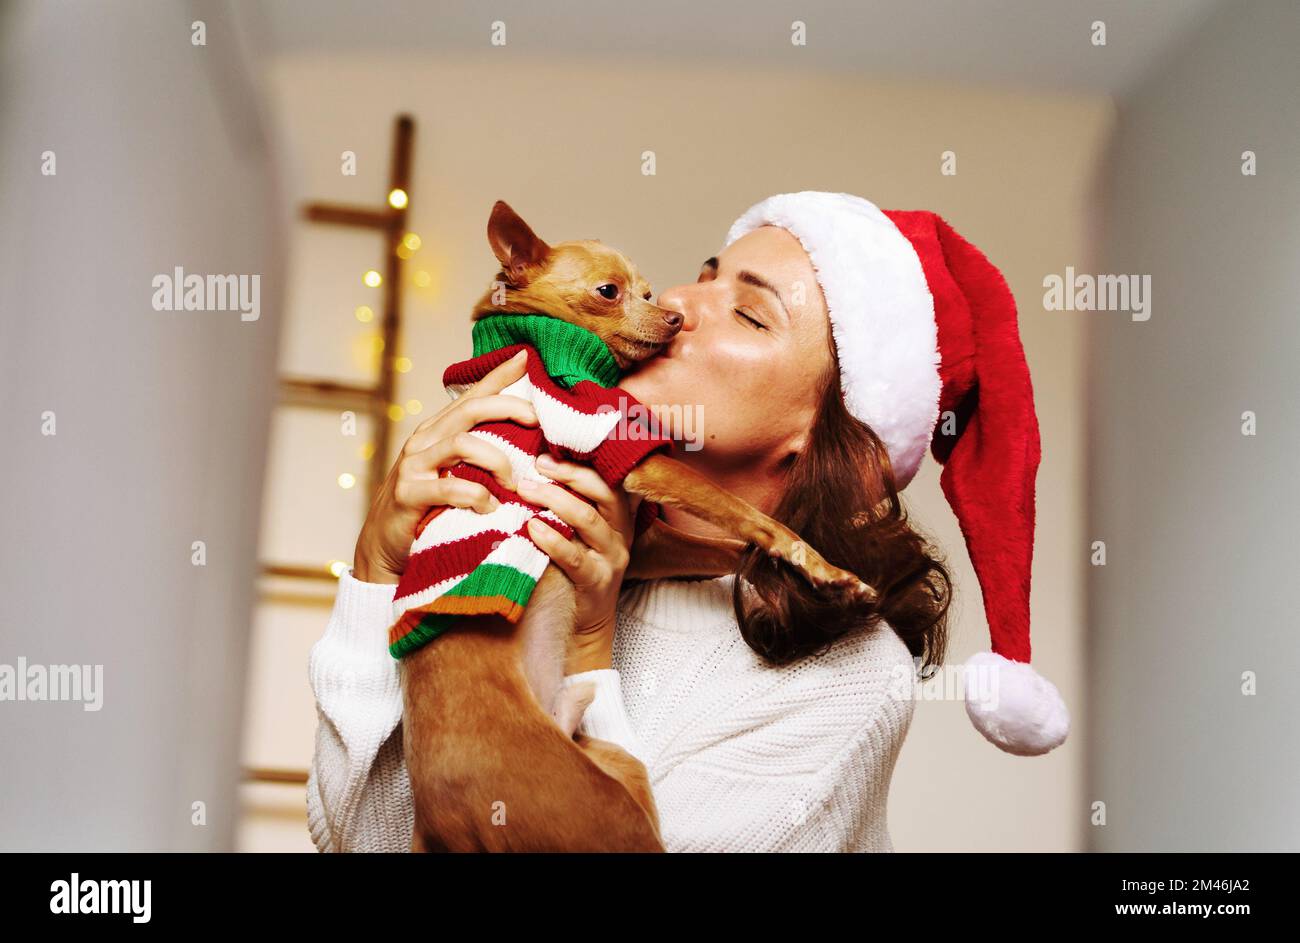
pixel 753 321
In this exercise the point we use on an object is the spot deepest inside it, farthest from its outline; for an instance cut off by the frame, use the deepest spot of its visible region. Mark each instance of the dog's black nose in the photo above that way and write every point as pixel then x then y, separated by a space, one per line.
pixel 673 319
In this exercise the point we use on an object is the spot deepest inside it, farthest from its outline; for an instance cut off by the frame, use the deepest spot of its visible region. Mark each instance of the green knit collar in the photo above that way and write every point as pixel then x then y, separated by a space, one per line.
pixel 569 353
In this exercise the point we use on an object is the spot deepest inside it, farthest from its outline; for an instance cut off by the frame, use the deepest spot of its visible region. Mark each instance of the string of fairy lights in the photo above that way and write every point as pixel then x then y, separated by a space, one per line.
pixel 406 248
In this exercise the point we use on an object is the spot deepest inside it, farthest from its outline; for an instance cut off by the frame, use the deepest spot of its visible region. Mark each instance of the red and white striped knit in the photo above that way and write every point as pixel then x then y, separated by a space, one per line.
pixel 466 563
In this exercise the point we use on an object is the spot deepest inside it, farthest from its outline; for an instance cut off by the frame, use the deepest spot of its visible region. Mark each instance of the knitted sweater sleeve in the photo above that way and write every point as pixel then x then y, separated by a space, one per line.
pixel 358 792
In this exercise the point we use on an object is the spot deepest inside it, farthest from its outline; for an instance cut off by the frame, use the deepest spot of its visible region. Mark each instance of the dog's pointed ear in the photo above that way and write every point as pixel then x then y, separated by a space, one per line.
pixel 519 250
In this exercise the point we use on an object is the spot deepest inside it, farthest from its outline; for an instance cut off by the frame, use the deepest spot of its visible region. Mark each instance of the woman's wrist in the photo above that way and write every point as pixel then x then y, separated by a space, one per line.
pixel 366 571
pixel 590 651
pixel 362 574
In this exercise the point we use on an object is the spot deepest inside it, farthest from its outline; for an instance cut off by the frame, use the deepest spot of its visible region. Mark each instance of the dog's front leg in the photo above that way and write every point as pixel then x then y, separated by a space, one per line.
pixel 668 481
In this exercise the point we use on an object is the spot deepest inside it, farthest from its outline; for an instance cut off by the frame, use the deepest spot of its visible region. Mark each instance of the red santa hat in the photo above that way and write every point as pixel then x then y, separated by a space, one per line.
pixel 930 357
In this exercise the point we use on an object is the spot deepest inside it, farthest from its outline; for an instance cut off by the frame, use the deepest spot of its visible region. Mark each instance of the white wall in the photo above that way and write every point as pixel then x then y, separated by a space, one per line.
pixel 1199 520
pixel 160 418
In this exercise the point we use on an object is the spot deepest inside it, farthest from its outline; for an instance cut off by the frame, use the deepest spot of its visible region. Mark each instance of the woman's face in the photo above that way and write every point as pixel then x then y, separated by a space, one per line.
pixel 745 366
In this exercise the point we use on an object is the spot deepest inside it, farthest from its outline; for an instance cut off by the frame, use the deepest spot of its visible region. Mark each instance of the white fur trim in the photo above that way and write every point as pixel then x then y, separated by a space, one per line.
pixel 1013 706
pixel 881 311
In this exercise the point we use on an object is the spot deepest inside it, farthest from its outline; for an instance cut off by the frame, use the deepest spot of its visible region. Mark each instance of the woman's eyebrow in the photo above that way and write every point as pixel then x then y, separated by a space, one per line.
pixel 749 278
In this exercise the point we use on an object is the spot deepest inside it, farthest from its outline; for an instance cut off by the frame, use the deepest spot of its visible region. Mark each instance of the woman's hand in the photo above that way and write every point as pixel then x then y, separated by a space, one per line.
pixel 594 560
pixel 415 483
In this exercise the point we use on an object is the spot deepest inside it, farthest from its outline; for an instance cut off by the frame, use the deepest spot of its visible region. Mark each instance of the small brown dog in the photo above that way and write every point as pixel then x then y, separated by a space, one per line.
pixel 489 730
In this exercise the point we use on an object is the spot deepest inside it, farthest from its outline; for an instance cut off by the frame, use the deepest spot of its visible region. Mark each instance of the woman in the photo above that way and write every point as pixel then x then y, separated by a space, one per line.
pixel 766 721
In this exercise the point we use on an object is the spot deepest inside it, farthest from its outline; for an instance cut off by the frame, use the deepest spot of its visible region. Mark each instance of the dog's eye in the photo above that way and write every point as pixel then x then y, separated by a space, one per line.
pixel 646 296
pixel 609 292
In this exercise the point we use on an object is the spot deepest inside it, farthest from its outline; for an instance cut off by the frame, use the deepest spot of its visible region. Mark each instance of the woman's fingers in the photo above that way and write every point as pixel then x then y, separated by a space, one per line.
pixel 448 491
pixel 596 557
pixel 586 481
pixel 493 408
pixel 413 484
pixel 590 524
pixel 461 447
pixel 571 558
pixel 463 415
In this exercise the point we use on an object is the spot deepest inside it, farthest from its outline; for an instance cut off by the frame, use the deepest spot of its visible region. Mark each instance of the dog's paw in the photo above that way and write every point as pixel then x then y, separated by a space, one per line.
pixel 824 576
pixel 785 545
pixel 861 593
pixel 850 587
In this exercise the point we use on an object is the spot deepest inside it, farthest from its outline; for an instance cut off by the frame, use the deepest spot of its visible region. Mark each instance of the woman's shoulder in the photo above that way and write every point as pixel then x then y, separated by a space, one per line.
pixel 876 652
pixel 867 676
pixel 695 606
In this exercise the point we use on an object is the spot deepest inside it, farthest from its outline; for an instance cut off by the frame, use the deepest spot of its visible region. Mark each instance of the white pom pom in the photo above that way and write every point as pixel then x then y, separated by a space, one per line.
pixel 1013 706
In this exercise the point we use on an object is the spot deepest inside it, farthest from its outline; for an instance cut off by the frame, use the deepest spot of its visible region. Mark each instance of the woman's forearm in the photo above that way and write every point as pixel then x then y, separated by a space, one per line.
pixel 358 796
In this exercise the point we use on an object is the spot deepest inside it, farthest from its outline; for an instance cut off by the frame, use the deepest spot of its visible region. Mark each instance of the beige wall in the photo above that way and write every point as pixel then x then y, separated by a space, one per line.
pixel 563 144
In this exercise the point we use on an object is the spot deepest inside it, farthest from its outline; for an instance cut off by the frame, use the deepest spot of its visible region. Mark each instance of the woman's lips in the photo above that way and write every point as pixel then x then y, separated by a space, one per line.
pixel 652 349
pixel 649 362
pixel 639 341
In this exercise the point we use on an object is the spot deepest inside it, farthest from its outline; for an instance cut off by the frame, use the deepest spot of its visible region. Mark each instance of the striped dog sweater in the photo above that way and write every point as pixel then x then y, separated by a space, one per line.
pixel 466 563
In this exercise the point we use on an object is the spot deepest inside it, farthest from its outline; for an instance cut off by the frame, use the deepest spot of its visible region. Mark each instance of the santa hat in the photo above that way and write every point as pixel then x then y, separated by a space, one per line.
pixel 930 357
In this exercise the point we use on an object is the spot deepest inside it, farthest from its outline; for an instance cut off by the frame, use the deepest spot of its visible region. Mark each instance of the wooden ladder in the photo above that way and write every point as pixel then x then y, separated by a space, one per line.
pixel 323 393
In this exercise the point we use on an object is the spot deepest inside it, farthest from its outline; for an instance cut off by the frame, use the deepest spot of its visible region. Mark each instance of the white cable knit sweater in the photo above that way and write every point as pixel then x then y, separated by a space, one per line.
pixel 742 756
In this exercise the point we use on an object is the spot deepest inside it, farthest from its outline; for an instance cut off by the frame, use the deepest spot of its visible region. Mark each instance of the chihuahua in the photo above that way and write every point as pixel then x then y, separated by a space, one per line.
pixel 490 731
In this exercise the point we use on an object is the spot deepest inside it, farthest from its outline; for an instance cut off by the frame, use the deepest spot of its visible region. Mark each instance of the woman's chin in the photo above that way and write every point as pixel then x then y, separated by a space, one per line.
pixel 648 380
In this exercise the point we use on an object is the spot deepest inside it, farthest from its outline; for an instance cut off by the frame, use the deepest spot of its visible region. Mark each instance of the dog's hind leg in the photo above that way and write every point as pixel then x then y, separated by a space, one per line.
pixel 544 636
pixel 571 703
pixel 625 768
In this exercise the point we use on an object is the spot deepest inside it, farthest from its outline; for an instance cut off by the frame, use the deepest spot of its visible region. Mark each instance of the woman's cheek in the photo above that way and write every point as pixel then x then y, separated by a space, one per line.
pixel 728 403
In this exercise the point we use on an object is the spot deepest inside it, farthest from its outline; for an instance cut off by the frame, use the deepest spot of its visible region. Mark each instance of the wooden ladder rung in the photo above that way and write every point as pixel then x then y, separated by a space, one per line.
pixel 268 774
pixel 352 216
pixel 329 394
pixel 298 571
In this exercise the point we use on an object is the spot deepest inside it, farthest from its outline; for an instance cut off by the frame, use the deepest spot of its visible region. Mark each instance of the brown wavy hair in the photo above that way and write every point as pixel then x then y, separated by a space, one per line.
pixel 841 498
